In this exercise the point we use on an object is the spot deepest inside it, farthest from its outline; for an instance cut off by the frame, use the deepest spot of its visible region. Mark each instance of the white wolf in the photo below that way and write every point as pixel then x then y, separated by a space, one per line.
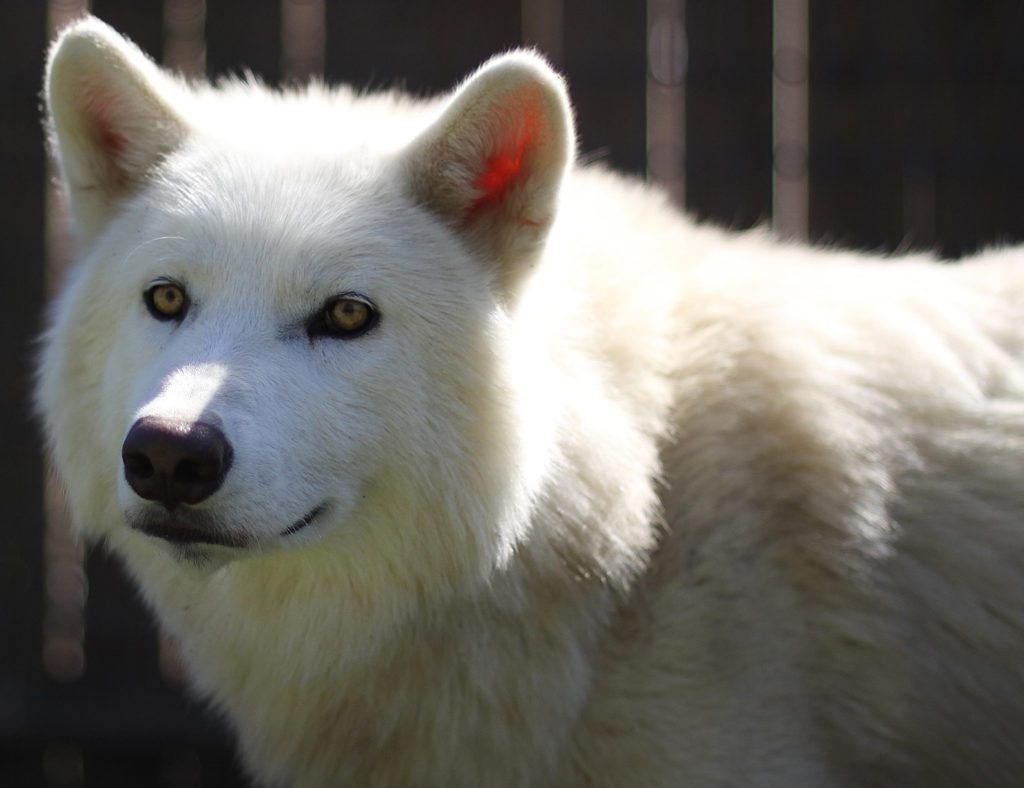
pixel 450 463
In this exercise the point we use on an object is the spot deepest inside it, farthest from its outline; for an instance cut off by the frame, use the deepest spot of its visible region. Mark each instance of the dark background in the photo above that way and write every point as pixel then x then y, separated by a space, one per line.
pixel 915 125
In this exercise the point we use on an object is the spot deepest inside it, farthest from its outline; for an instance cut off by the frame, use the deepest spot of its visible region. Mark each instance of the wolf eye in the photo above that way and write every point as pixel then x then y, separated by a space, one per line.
pixel 166 301
pixel 346 317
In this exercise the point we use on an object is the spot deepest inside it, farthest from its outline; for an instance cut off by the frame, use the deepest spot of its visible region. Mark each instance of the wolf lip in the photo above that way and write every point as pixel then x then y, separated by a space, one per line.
pixel 305 520
pixel 181 533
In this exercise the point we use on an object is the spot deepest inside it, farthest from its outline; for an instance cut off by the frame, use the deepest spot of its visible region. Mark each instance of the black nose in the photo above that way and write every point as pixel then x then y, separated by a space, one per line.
pixel 174 461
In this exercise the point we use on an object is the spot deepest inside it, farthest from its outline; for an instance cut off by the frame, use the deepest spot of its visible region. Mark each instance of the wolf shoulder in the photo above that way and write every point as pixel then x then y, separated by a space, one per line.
pixel 843 512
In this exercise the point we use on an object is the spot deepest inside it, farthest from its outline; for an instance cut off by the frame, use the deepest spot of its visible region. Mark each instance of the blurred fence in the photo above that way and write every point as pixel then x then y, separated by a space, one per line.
pixel 871 123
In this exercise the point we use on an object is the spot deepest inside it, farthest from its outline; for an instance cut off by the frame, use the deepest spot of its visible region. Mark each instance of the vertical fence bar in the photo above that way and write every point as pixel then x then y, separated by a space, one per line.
pixel 63 566
pixel 543 27
pixel 666 96
pixel 303 39
pixel 917 98
pixel 65 584
pixel 184 42
pixel 789 119
pixel 66 589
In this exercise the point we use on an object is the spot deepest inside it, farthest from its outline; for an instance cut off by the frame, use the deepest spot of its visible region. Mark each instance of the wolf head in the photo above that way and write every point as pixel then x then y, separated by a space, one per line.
pixel 288 325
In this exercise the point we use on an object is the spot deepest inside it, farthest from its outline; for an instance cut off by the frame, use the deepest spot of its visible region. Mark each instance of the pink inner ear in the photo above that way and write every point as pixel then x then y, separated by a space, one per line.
pixel 98 107
pixel 503 169
pixel 113 142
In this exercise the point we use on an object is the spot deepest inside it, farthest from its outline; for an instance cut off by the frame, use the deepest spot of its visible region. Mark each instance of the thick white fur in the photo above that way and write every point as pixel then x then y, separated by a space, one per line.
pixel 612 499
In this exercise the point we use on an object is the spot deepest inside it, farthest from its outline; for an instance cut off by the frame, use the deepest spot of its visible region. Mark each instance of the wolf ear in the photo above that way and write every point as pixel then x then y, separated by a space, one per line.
pixel 492 164
pixel 110 119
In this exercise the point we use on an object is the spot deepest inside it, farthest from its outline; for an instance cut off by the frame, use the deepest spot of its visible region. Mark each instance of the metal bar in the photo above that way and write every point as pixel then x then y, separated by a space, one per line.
pixel 63 648
pixel 543 27
pixel 666 96
pixel 303 39
pixel 184 36
pixel 789 119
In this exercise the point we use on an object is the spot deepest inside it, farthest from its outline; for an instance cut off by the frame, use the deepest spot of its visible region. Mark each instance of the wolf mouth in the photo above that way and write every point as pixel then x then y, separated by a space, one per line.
pixel 181 533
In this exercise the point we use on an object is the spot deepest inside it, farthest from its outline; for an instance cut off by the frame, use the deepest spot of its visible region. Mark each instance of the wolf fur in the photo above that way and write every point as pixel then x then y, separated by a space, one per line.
pixel 608 498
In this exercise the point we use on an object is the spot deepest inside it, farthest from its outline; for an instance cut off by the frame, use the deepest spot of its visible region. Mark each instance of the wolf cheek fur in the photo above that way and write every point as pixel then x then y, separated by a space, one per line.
pixel 600 497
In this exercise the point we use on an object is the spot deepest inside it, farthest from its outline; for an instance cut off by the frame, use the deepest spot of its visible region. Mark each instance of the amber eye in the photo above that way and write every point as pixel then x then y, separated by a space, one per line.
pixel 166 301
pixel 345 316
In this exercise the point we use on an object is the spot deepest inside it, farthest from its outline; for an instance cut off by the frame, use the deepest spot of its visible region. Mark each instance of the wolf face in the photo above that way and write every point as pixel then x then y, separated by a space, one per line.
pixel 285 339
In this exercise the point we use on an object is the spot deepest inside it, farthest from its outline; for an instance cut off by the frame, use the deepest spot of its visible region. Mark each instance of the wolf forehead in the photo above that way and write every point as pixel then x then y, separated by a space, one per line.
pixel 232 194
pixel 318 170
pixel 315 214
